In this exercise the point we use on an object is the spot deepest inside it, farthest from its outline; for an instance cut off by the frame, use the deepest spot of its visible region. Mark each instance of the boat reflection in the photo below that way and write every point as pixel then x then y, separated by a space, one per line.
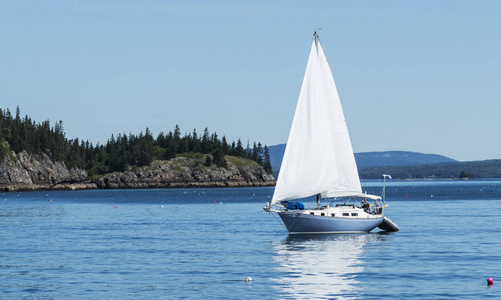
pixel 322 266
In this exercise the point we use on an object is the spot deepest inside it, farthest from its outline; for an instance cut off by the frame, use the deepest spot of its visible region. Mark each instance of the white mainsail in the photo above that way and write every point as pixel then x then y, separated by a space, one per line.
pixel 319 157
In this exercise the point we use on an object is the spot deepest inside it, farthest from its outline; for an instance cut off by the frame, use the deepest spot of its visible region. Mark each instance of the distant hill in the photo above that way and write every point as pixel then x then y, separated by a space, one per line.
pixel 372 159
pixel 276 156
pixel 399 158
pixel 478 169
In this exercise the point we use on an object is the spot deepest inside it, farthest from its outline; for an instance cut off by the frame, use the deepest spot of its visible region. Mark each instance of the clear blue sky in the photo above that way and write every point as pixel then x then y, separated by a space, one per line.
pixel 420 76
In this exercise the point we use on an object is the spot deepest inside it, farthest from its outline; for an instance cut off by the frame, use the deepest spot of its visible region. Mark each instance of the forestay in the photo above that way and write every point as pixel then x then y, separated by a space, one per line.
pixel 319 157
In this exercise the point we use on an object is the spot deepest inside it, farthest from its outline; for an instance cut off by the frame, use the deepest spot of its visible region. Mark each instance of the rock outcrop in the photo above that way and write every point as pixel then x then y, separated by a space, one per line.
pixel 24 171
pixel 189 172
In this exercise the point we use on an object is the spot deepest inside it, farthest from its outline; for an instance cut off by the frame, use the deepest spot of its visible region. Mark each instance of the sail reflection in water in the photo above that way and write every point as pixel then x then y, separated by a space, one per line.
pixel 322 266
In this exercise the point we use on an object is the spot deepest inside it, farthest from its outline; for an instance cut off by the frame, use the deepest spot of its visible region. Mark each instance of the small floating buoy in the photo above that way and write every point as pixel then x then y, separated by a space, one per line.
pixel 490 281
pixel 115 207
pixel 250 279
pixel 161 206
pixel 214 202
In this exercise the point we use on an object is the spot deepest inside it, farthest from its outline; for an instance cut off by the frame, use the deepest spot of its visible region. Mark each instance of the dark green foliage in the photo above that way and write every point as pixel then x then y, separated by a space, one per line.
pixel 3 151
pixel 208 161
pixel 465 175
pixel 119 153
pixel 257 153
pixel 481 169
pixel 267 163
pixel 233 149
pixel 23 134
pixel 224 146
pixel 218 158
pixel 205 144
pixel 239 150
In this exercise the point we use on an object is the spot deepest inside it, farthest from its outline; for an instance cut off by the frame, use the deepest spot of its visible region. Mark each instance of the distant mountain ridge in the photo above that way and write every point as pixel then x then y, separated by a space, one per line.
pixel 475 169
pixel 399 158
pixel 372 159
pixel 407 165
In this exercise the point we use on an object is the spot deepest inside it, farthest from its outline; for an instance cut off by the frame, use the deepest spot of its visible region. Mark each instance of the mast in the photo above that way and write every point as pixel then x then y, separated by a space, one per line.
pixel 315 37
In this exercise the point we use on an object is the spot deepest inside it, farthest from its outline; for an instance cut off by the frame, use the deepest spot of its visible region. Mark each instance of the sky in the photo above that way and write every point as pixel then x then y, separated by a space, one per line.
pixel 422 76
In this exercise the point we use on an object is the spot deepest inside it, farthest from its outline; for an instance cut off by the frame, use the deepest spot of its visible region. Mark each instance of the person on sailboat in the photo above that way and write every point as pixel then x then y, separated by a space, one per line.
pixel 365 206
pixel 378 209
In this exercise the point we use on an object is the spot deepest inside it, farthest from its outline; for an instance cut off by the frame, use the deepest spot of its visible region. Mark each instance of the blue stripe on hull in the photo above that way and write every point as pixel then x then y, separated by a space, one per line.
pixel 302 223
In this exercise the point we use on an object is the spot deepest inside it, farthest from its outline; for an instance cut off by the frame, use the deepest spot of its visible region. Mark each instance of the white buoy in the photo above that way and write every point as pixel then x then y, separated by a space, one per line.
pixel 248 279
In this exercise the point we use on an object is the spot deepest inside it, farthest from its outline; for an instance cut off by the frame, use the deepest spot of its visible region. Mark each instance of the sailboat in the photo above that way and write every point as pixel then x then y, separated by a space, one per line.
pixel 319 161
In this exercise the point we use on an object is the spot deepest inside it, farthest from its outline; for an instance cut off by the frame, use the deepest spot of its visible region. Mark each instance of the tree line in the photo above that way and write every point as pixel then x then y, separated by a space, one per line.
pixel 472 169
pixel 120 151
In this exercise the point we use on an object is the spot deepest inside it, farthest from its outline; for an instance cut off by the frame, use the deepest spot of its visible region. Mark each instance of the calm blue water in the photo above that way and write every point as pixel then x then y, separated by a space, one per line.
pixel 163 244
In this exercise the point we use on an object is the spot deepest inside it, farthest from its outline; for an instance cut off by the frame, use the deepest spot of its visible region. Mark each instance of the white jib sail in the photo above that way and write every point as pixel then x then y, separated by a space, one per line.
pixel 318 158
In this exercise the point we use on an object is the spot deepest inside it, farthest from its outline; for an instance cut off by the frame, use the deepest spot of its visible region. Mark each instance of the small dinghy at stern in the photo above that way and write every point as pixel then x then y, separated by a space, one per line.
pixel 388 225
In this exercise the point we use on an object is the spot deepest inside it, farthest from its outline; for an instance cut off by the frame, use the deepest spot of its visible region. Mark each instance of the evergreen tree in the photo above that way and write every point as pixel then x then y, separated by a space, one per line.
pixel 218 158
pixel 239 150
pixel 225 148
pixel 465 175
pixel 208 161
pixel 248 151
pixel 195 142
pixel 267 163
pixel 3 151
pixel 255 152
pixel 145 149
pixel 206 146
pixel 170 150
pixel 259 157
pixel 215 141
pixel 176 140
pixel 184 145
pixel 233 150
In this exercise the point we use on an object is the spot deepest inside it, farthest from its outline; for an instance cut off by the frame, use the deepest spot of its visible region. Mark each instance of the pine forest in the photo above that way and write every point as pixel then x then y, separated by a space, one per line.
pixel 121 151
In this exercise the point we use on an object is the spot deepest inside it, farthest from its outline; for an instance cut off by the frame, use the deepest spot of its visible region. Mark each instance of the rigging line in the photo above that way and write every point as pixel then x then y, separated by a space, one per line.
pixel 278 220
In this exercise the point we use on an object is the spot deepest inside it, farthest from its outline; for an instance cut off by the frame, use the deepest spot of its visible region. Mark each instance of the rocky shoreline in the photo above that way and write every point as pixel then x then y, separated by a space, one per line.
pixel 189 172
pixel 25 172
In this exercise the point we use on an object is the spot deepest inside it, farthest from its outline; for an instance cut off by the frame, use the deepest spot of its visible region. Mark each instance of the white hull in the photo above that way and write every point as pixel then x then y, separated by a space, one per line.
pixel 344 219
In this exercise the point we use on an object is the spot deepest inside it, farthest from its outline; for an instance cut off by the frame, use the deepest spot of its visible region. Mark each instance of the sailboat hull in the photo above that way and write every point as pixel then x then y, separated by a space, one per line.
pixel 298 223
